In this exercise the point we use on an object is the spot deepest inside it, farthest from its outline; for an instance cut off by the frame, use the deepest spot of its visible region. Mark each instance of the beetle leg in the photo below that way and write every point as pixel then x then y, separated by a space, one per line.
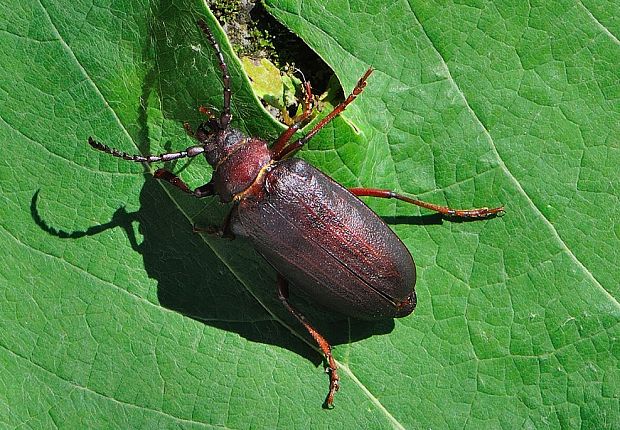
pixel 297 145
pixel 334 380
pixel 444 210
pixel 207 112
pixel 284 138
pixel 189 130
pixel 225 230
pixel 202 191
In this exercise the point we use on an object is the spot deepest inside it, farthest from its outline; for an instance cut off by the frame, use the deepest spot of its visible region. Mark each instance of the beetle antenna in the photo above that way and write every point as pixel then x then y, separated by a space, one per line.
pixel 192 151
pixel 226 115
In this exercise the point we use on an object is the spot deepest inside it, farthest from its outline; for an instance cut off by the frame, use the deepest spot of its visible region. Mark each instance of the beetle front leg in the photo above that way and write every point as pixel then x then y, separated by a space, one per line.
pixel 444 210
pixel 334 380
pixel 285 137
pixel 299 143
pixel 225 230
pixel 205 190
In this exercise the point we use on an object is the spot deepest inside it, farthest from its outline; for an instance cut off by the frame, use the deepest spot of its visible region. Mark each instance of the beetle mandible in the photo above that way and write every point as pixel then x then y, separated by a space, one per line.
pixel 316 234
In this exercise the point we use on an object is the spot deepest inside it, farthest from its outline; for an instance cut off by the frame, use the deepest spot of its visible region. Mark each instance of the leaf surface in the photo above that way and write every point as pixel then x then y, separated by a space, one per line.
pixel 115 315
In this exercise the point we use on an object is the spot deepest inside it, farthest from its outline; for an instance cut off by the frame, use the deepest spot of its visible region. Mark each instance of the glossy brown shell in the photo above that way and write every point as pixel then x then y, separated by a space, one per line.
pixel 329 244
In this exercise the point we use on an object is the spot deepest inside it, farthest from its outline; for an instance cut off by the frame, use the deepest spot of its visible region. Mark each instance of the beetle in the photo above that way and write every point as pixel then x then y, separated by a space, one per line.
pixel 317 235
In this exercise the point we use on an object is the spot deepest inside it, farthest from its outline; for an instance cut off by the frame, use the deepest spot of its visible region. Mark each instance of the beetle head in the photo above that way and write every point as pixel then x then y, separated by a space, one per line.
pixel 218 142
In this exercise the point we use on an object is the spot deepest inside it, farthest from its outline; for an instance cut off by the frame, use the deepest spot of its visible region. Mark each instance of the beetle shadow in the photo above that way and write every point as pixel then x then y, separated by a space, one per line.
pixel 428 219
pixel 431 219
pixel 192 278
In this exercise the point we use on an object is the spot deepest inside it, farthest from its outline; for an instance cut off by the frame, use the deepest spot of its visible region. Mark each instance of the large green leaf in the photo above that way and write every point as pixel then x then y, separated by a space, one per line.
pixel 115 315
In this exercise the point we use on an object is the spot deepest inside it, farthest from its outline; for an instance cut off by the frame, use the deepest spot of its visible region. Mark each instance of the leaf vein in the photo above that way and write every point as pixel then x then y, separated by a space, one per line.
pixel 112 399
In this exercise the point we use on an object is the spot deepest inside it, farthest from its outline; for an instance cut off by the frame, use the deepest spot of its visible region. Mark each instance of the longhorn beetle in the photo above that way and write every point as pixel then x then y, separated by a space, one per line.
pixel 316 234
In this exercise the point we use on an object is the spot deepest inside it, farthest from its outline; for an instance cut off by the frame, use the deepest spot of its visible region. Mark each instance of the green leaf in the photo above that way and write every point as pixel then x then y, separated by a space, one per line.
pixel 266 79
pixel 115 315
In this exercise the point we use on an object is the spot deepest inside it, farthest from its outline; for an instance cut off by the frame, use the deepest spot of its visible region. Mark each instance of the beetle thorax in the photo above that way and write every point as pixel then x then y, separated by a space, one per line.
pixel 237 161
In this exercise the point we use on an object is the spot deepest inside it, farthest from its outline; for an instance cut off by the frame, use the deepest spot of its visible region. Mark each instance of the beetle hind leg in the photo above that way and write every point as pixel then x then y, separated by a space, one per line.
pixel 334 380
pixel 443 210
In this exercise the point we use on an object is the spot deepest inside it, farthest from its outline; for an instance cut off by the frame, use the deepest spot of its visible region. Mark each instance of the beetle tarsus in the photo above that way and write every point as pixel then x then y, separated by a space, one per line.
pixel 208 112
pixel 213 230
pixel 225 231
pixel 334 385
pixel 189 130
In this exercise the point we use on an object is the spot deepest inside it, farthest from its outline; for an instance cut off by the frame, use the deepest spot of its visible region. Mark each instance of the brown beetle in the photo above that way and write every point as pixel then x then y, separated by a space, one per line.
pixel 316 234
